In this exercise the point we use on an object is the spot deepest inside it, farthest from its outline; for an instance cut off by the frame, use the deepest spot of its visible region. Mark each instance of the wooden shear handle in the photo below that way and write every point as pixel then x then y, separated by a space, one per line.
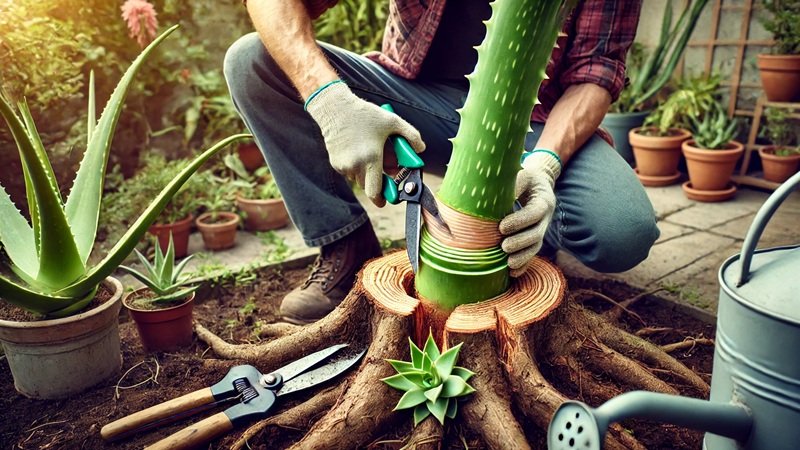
pixel 194 435
pixel 169 411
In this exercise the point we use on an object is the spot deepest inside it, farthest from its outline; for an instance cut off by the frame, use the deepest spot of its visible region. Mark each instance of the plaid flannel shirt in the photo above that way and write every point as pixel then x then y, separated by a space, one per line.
pixel 598 36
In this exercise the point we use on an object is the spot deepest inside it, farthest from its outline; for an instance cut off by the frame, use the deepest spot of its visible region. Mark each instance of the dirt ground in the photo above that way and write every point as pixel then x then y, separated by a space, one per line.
pixel 235 313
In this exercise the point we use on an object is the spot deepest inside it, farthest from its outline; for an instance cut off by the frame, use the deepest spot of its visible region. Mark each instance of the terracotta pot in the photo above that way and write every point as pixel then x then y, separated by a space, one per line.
pixel 263 215
pixel 777 168
pixel 162 329
pixel 61 357
pixel 780 77
pixel 658 156
pixel 180 235
pixel 711 170
pixel 221 234
pixel 250 155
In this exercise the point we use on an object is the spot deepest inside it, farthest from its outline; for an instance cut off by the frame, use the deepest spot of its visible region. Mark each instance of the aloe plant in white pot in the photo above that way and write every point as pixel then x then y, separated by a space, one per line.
pixel 69 340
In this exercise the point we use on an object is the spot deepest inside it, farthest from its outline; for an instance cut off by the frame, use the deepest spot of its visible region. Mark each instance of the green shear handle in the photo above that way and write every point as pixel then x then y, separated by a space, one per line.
pixel 406 158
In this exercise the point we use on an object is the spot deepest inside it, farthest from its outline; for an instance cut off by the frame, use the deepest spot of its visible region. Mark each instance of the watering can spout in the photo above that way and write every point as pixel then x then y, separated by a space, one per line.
pixel 578 426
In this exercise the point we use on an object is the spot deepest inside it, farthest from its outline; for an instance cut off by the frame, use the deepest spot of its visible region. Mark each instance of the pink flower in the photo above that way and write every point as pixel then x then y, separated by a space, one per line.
pixel 140 16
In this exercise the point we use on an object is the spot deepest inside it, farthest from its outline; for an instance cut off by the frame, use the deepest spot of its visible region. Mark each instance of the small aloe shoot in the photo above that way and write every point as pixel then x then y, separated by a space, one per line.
pixel 163 277
pixel 48 257
pixel 432 382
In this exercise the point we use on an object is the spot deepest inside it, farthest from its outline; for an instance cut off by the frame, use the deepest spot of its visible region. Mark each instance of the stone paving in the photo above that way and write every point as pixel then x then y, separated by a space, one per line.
pixel 696 238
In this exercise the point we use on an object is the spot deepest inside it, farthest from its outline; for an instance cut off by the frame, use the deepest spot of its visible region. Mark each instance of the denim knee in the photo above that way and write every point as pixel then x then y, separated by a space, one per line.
pixel 620 244
pixel 239 62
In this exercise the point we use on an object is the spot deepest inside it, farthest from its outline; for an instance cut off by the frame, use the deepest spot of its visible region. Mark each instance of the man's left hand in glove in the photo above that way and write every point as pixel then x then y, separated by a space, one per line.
pixel 524 229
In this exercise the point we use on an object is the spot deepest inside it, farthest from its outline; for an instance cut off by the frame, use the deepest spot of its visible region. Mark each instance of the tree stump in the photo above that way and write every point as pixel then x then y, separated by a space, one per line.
pixel 504 341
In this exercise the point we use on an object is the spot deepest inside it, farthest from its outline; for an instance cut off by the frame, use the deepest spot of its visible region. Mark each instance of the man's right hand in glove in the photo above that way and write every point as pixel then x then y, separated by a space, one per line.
pixel 355 132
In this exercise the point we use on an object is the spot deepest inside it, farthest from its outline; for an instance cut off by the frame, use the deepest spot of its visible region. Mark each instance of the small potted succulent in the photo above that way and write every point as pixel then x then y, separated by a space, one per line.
pixel 711 156
pixel 162 309
pixel 780 159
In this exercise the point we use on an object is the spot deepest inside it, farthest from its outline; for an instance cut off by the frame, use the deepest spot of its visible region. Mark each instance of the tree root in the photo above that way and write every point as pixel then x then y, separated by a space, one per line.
pixel 505 340
pixel 296 418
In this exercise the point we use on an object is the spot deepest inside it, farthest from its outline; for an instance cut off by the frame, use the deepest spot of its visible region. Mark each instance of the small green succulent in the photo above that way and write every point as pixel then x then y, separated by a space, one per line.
pixel 432 381
pixel 163 277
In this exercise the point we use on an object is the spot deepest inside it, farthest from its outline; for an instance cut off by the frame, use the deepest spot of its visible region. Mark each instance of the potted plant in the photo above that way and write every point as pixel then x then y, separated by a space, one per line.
pixel 162 309
pixel 648 74
pixel 257 196
pixel 133 195
pixel 780 159
pixel 657 144
pixel 711 156
pixel 219 223
pixel 68 339
pixel 780 69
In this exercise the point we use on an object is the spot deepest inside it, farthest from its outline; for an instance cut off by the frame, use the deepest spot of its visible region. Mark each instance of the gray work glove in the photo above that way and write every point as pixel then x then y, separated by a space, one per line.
pixel 355 132
pixel 524 229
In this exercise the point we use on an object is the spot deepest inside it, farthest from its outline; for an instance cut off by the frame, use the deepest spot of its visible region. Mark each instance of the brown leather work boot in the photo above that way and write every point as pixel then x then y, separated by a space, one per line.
pixel 332 276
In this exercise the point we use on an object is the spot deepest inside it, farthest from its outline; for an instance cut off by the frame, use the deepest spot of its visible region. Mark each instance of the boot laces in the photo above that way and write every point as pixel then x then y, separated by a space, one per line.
pixel 325 266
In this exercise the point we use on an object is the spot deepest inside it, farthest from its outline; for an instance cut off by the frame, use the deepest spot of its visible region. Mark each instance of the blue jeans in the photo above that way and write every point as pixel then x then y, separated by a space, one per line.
pixel 603 216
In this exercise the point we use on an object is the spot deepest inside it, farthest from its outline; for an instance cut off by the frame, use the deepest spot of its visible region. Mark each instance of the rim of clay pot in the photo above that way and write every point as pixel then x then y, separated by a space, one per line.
pixel 732 150
pixel 676 136
pixel 183 223
pixel 768 152
pixel 128 295
pixel 780 63
pixel 232 217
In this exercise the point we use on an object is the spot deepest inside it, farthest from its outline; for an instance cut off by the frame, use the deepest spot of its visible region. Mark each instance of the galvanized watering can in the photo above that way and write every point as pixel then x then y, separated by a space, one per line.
pixel 755 384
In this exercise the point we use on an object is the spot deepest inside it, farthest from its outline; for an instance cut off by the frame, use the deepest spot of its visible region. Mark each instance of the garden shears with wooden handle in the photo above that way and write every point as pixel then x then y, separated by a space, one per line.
pixel 255 393
pixel 407 186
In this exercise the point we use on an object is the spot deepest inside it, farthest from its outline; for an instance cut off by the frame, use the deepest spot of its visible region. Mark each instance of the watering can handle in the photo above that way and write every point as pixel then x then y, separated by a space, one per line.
pixel 760 222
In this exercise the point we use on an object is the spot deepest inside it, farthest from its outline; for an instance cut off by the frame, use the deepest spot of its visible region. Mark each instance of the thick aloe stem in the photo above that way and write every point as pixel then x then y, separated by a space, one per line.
pixel 480 178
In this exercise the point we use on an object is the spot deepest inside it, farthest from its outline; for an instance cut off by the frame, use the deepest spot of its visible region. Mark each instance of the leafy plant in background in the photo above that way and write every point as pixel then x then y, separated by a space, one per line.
pixel 355 25
pixel 163 277
pixel 714 130
pixel 432 382
pixel 49 255
pixel 693 97
pixel 784 24
pixel 780 131
pixel 257 186
pixel 649 74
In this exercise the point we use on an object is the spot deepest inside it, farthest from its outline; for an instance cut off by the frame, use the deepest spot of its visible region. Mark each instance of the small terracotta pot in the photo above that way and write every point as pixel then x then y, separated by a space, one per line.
pixel 657 156
pixel 180 235
pixel 711 170
pixel 263 215
pixel 250 156
pixel 777 168
pixel 162 329
pixel 221 234
pixel 780 77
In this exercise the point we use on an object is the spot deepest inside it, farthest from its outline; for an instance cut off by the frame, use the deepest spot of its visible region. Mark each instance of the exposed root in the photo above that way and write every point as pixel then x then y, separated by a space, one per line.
pixel 366 407
pixel 625 370
pixel 297 418
pixel 688 343
pixel 344 324
pixel 488 411
pixel 614 314
pixel 278 329
pixel 427 435
pixel 649 353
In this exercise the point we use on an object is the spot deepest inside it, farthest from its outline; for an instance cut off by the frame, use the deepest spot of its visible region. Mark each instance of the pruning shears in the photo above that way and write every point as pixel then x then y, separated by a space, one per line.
pixel 407 186
pixel 255 393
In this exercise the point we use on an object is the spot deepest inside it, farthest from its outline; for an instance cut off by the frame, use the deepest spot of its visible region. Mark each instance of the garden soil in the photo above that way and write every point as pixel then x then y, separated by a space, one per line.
pixel 236 311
